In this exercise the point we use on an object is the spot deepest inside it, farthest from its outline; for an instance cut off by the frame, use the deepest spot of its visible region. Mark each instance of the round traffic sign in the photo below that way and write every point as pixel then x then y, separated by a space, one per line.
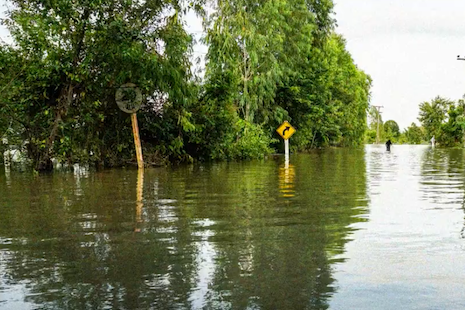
pixel 128 98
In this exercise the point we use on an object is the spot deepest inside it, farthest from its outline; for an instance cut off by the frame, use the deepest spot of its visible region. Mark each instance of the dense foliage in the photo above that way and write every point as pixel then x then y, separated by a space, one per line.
pixel 444 120
pixel 440 118
pixel 413 135
pixel 285 62
pixel 267 62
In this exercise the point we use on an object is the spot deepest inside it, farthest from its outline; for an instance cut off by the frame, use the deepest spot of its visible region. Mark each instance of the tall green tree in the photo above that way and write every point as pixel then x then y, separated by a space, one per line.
pixel 375 127
pixel 276 58
pixel 246 37
pixel 391 130
pixel 433 115
pixel 329 99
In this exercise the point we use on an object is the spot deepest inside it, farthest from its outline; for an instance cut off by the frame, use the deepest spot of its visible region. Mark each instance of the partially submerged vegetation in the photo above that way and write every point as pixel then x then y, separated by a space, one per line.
pixel 267 61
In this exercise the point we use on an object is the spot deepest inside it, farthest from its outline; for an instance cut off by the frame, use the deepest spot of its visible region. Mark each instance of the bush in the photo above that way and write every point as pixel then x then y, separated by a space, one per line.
pixel 251 142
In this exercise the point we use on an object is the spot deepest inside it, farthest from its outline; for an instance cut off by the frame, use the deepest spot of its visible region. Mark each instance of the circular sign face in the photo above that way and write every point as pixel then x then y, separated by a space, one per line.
pixel 128 98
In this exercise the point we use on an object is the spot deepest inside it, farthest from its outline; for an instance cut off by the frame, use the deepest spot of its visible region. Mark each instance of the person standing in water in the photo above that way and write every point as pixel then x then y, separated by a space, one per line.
pixel 433 141
pixel 388 145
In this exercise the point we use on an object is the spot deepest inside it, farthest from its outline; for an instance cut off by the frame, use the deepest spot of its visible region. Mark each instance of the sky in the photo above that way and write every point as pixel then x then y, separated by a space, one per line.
pixel 3 31
pixel 409 48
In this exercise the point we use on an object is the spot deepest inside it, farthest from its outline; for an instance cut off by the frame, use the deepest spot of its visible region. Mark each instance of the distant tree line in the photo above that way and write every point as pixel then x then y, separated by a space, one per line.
pixel 444 119
pixel 267 61
pixel 440 118
pixel 390 130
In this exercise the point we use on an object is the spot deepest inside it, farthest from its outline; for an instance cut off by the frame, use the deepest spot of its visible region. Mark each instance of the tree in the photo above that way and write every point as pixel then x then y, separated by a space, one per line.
pixel 433 115
pixel 443 119
pixel 68 59
pixel 246 38
pixel 375 127
pixel 461 118
pixel 284 62
pixel 329 98
pixel 391 130
pixel 414 134
pixel 268 61
pixel 452 129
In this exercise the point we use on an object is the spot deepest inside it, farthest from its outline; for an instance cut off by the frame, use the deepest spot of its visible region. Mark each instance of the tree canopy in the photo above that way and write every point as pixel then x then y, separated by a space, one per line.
pixel 443 119
pixel 391 129
pixel 267 62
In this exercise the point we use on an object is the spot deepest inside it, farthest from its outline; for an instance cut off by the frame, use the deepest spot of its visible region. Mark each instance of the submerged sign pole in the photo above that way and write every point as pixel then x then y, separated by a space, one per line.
pixel 286 151
pixel 129 99
pixel 135 132
pixel 286 131
pixel 139 201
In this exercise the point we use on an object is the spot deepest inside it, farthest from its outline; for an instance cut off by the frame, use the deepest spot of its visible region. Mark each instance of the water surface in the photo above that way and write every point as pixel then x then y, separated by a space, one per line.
pixel 336 229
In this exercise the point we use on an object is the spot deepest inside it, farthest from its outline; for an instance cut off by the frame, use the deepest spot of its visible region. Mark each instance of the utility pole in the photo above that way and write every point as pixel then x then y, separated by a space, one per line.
pixel 378 108
pixel 463 129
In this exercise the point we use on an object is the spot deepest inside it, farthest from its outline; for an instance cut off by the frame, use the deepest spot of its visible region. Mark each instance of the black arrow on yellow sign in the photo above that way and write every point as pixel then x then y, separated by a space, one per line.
pixel 286 129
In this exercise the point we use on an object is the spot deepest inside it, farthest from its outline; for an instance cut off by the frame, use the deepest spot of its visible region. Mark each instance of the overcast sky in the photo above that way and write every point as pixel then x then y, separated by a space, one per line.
pixel 409 48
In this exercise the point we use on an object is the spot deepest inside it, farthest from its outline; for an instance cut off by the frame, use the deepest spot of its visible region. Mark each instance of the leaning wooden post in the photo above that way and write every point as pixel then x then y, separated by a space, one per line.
pixel 135 132
pixel 129 100
pixel 139 202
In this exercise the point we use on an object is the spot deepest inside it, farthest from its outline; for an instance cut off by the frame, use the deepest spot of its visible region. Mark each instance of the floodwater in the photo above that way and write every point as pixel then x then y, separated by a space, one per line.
pixel 336 229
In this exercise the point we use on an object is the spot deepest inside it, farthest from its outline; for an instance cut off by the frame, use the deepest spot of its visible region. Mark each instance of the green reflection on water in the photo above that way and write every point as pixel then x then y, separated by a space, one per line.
pixel 227 235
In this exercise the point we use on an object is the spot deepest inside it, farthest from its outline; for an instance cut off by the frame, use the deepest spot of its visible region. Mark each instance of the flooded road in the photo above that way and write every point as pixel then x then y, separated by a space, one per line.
pixel 337 229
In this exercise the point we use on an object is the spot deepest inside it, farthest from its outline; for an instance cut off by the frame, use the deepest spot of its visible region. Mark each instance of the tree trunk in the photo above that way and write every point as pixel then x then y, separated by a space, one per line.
pixel 246 91
pixel 44 162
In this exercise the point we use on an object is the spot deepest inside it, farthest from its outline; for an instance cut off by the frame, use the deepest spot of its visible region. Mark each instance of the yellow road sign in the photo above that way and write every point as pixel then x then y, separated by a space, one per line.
pixel 285 130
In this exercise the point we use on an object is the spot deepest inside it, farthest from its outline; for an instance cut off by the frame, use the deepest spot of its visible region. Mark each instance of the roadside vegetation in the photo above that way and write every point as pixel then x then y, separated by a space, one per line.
pixel 267 61
pixel 440 118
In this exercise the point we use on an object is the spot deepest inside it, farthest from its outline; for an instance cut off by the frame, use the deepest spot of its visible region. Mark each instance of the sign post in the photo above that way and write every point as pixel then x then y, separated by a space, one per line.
pixel 139 201
pixel 129 99
pixel 135 132
pixel 286 131
pixel 286 149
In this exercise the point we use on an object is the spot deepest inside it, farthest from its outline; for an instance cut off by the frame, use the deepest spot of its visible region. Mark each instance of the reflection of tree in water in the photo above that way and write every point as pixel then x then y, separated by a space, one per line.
pixel 264 250
pixel 276 252
pixel 83 254
pixel 442 178
pixel 442 175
